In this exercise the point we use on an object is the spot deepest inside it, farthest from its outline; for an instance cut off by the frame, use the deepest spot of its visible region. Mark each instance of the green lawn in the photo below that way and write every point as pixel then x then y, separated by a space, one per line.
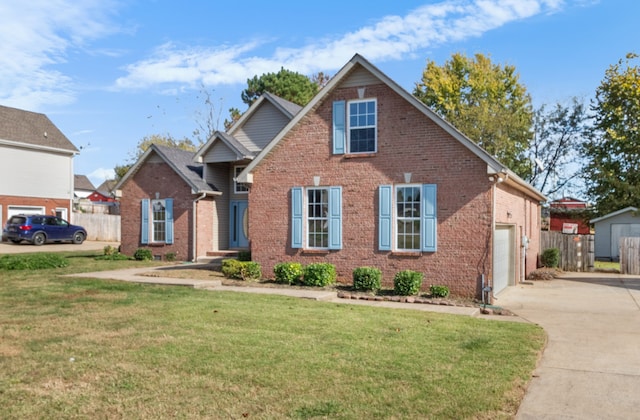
pixel 85 348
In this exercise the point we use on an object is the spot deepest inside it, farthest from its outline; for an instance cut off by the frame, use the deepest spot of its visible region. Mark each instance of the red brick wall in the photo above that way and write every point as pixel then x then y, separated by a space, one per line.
pixel 50 205
pixel 407 142
pixel 152 178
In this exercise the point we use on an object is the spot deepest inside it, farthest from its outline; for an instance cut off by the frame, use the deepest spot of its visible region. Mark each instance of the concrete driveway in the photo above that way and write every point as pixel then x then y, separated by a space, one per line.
pixel 24 247
pixel 590 368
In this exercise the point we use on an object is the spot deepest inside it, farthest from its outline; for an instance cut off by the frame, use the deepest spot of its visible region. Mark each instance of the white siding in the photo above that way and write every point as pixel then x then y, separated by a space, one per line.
pixel 31 173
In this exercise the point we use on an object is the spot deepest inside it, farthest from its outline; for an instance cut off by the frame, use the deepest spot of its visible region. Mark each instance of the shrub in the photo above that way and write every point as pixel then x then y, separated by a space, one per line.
pixel 244 255
pixel 319 274
pixel 289 272
pixel 439 291
pixel 143 254
pixel 170 256
pixel 110 250
pixel 32 262
pixel 243 270
pixel 550 257
pixel 407 283
pixel 367 278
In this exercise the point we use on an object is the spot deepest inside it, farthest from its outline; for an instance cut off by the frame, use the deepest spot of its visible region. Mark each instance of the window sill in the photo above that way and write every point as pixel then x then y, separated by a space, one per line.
pixel 359 155
pixel 407 254
pixel 315 251
pixel 156 244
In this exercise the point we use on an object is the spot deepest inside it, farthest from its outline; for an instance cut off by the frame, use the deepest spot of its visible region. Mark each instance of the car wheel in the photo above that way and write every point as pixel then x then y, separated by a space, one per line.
pixel 39 239
pixel 78 238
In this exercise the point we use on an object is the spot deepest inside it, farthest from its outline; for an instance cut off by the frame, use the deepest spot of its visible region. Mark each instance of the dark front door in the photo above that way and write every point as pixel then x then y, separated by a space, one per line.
pixel 239 224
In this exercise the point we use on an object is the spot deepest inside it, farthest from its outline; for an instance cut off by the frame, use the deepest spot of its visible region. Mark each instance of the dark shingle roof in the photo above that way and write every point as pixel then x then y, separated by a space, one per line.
pixel 182 162
pixel 106 188
pixel 81 182
pixel 31 128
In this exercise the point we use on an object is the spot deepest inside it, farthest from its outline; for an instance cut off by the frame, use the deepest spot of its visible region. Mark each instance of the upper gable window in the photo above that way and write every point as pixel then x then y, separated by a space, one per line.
pixel 362 126
pixel 355 127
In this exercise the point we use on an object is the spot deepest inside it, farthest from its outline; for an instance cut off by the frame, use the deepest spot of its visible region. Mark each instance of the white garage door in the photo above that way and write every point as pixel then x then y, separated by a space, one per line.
pixel 13 210
pixel 503 246
pixel 622 230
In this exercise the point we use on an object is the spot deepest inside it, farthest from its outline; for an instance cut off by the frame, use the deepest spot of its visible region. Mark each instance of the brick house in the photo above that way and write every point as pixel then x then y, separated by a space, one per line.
pixel 367 175
pixel 189 204
pixel 36 165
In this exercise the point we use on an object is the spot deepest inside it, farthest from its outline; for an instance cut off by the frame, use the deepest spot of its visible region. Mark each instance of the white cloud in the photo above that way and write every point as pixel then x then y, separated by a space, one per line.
pixel 100 175
pixel 391 38
pixel 38 34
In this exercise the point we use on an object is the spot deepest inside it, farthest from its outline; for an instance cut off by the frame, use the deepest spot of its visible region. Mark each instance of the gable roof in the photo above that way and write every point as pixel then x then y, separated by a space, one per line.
pixel 107 187
pixel 289 109
pixel 81 182
pixel 181 161
pixel 614 214
pixel 32 130
pixel 493 165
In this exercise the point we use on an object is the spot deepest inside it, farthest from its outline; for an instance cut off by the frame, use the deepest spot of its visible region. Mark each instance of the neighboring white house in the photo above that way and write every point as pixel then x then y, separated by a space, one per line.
pixel 610 228
pixel 36 165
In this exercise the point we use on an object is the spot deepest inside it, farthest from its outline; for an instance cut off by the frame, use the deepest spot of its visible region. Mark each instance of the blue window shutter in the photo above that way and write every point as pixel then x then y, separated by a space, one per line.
pixel 335 218
pixel 144 219
pixel 339 127
pixel 385 214
pixel 429 218
pixel 169 219
pixel 296 217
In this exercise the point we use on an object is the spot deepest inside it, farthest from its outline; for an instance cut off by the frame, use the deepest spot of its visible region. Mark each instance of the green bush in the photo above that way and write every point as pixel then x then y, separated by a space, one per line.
pixel 407 283
pixel 439 291
pixel 367 278
pixel 110 250
pixel 243 270
pixel 32 262
pixel 170 256
pixel 143 254
pixel 289 272
pixel 550 257
pixel 319 274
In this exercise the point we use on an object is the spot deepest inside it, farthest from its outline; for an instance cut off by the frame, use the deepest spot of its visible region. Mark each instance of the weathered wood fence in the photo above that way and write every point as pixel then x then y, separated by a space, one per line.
pixel 577 252
pixel 630 256
pixel 100 227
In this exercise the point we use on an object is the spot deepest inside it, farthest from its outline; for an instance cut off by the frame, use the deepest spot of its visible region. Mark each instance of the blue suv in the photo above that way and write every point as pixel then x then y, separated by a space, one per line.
pixel 38 229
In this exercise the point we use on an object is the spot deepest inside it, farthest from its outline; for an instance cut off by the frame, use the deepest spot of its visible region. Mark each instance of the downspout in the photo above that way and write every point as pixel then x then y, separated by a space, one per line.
pixel 195 230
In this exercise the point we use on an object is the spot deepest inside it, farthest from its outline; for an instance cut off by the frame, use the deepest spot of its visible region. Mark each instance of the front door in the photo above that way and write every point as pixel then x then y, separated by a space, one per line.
pixel 238 235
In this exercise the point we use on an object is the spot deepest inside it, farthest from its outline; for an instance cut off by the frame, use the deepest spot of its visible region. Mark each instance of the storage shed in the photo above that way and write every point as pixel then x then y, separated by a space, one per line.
pixel 610 228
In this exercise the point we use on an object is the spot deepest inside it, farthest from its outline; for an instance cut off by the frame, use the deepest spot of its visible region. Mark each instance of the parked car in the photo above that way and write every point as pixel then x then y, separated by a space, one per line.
pixel 38 229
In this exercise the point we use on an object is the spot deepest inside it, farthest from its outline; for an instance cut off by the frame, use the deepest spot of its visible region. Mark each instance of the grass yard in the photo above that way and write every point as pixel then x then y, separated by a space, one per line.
pixel 85 348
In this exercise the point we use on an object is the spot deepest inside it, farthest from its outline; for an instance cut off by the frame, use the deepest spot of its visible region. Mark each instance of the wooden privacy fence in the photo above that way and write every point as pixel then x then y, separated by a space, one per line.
pixel 576 251
pixel 100 227
pixel 630 256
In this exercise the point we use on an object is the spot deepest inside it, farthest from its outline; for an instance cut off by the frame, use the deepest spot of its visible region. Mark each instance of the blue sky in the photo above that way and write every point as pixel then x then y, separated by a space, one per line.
pixel 110 72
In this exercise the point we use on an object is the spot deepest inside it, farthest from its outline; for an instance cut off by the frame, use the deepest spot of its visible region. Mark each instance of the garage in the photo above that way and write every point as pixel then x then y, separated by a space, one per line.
pixel 13 210
pixel 503 258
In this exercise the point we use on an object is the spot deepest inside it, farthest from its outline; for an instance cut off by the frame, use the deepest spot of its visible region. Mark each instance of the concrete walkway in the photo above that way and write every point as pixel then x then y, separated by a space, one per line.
pixel 134 275
pixel 591 366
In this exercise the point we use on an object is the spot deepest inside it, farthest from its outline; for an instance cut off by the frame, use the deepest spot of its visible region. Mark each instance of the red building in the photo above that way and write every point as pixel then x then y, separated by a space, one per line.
pixel 567 216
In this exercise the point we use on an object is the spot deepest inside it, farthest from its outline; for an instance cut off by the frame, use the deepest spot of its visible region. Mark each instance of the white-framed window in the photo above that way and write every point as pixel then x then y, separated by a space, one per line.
pixel 159 220
pixel 156 221
pixel 316 218
pixel 362 122
pixel 239 187
pixel 407 217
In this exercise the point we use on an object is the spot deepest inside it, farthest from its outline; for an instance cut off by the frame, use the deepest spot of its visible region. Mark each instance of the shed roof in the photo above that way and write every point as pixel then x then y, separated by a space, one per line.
pixel 614 214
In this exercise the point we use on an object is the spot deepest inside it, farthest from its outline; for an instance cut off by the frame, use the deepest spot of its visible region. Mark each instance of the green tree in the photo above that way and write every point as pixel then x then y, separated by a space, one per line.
pixel 612 172
pixel 289 85
pixel 554 150
pixel 484 101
